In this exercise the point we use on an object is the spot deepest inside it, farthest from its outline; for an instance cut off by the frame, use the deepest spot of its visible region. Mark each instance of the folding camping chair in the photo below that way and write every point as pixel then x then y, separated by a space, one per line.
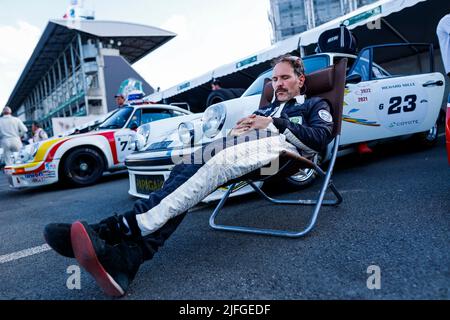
pixel 329 84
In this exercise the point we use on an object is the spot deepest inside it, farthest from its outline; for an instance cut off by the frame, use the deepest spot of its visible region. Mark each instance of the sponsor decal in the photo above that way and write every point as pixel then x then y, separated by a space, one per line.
pixel 237 187
pixel 50 166
pixel 184 86
pixel 402 113
pixel 38 180
pixel 363 99
pixel 363 91
pixel 363 122
pixel 399 86
pixel 333 39
pixel 404 123
pixel 363 16
pixel 49 174
pixel 37 177
pixel 33 175
pixel 296 120
pixel 247 61
pixel 325 116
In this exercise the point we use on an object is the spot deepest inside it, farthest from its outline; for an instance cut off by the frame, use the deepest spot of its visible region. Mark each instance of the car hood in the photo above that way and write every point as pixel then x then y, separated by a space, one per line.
pixel 164 136
pixel 162 130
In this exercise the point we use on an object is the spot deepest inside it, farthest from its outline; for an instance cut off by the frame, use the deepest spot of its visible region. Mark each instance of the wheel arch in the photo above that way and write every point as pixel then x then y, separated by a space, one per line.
pixel 70 150
pixel 96 142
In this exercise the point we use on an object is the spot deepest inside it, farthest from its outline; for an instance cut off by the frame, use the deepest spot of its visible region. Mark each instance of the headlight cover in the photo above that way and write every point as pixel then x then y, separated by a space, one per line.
pixel 144 131
pixel 27 153
pixel 186 132
pixel 213 120
pixel 138 142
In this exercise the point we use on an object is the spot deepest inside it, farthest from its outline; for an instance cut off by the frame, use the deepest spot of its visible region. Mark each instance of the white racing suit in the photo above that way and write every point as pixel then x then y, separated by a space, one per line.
pixel 10 146
pixel 226 159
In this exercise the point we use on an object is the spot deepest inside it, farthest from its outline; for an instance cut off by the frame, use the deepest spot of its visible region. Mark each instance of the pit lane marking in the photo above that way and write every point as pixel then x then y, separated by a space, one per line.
pixel 24 253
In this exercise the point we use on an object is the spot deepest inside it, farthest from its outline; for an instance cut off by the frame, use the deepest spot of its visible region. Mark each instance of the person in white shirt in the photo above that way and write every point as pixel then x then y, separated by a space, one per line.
pixel 443 34
pixel 11 130
pixel 39 134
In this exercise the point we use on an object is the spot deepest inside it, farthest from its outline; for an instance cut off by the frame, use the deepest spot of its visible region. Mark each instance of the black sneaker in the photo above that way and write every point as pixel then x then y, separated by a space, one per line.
pixel 112 266
pixel 57 235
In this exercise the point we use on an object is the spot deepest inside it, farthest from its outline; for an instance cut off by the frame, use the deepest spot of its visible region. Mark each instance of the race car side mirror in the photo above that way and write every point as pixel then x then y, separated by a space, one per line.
pixel 134 126
pixel 353 78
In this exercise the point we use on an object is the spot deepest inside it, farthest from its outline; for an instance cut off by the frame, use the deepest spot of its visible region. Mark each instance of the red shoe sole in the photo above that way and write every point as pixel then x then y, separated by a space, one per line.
pixel 86 256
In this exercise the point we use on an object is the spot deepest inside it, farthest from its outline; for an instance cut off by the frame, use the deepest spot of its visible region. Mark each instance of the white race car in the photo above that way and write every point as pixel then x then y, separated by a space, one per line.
pixel 81 159
pixel 377 106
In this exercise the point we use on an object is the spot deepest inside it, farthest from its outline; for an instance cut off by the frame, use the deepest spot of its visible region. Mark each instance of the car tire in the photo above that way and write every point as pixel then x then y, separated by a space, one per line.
pixel 429 138
pixel 220 95
pixel 302 181
pixel 83 167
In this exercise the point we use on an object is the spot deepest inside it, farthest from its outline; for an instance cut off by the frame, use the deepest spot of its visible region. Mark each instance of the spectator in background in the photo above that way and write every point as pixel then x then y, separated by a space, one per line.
pixel 443 34
pixel 11 130
pixel 120 100
pixel 216 85
pixel 39 134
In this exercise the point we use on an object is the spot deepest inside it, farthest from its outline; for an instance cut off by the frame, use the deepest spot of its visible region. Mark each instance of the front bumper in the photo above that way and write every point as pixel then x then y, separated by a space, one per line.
pixel 142 183
pixel 151 170
pixel 32 174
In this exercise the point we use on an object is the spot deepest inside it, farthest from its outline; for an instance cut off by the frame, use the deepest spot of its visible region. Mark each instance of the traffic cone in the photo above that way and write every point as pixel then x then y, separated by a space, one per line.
pixel 363 148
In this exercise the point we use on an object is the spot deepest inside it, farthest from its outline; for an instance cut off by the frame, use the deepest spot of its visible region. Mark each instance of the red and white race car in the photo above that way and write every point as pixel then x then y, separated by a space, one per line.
pixel 81 159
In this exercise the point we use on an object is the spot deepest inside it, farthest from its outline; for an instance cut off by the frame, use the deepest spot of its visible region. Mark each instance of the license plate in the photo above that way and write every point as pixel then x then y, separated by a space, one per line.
pixel 146 184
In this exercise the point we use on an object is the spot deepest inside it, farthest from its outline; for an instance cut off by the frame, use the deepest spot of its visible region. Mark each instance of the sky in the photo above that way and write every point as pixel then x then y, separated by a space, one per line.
pixel 210 33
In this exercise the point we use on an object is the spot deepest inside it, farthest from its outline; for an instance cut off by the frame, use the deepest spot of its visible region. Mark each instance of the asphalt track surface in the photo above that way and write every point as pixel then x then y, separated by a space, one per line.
pixel 395 216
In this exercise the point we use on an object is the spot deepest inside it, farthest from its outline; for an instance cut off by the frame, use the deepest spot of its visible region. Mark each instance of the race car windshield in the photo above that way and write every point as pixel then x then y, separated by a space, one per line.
pixel 118 119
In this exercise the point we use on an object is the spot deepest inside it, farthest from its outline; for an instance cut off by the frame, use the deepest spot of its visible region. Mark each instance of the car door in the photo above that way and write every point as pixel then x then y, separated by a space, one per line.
pixel 140 117
pixel 383 105
pixel 125 136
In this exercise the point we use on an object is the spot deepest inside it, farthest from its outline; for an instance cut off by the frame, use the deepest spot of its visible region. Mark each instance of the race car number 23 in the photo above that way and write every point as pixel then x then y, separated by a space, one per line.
pixel 395 104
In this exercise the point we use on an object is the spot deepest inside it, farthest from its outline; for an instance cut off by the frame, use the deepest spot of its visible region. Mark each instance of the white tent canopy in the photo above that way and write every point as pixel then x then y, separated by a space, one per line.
pixel 392 13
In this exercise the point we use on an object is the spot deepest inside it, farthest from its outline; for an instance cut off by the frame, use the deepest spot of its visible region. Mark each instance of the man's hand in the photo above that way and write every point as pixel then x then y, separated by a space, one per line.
pixel 253 122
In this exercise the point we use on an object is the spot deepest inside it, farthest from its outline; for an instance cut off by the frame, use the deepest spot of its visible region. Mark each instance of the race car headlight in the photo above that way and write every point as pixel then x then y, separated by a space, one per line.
pixel 27 153
pixel 139 142
pixel 213 120
pixel 144 131
pixel 186 132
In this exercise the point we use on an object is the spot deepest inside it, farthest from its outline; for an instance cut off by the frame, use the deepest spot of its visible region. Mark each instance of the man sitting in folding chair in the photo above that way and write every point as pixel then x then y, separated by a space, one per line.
pixel 113 249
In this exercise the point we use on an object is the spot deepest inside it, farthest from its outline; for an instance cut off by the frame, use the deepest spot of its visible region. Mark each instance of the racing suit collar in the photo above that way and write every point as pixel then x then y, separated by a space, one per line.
pixel 300 99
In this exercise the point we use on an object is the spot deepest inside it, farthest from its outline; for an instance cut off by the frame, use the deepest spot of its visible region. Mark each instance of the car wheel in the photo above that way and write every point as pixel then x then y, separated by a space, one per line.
pixel 428 138
pixel 220 95
pixel 83 167
pixel 307 177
